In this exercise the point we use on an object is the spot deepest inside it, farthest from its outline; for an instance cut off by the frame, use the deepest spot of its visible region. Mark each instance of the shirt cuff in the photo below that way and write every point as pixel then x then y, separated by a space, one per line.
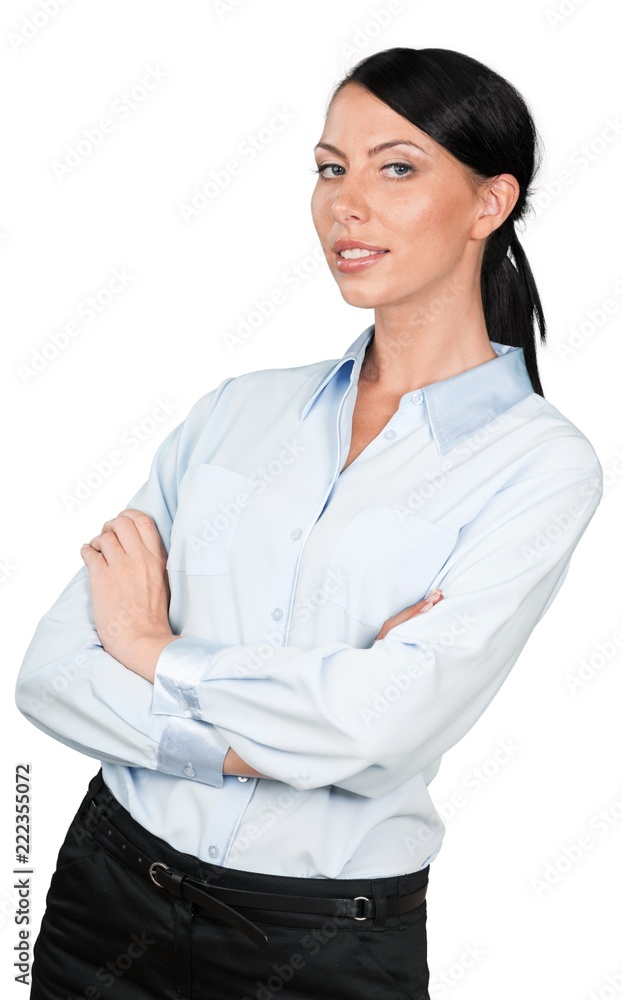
pixel 180 667
pixel 192 749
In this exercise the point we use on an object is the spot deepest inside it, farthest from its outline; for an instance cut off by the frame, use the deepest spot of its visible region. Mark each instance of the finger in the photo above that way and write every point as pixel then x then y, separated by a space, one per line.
pixel 125 533
pixel 147 530
pixel 137 532
pixel 420 607
pixel 403 616
pixel 131 512
pixel 108 545
pixel 91 557
pixel 434 597
pixel 95 543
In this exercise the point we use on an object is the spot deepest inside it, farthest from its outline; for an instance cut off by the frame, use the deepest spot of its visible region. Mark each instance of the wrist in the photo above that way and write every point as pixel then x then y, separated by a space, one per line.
pixel 142 653
pixel 233 764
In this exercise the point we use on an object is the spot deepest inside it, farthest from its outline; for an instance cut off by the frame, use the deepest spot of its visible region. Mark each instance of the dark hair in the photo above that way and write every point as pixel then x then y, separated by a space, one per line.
pixel 482 120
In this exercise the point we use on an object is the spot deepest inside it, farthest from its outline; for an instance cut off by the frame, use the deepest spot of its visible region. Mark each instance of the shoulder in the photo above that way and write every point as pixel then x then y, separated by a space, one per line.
pixel 555 428
pixel 551 443
pixel 269 390
pixel 287 380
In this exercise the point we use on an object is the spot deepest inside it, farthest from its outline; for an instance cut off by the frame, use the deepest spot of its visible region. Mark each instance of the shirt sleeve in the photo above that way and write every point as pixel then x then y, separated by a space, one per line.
pixel 368 719
pixel 72 689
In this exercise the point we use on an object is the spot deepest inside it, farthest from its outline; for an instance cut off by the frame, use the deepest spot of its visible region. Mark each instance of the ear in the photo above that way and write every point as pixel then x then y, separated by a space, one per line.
pixel 497 196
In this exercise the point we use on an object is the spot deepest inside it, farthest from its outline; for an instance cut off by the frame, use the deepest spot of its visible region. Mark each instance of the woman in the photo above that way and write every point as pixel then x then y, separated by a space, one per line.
pixel 326 578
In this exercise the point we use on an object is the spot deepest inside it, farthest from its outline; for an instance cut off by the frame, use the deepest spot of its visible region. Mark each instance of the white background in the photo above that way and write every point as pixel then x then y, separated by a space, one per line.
pixel 164 337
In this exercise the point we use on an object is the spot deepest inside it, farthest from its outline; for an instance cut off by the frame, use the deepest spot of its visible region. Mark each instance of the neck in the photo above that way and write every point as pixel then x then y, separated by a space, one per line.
pixel 416 344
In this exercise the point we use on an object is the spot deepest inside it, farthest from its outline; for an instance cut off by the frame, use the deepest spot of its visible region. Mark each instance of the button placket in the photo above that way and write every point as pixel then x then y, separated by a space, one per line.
pixel 223 825
pixel 277 613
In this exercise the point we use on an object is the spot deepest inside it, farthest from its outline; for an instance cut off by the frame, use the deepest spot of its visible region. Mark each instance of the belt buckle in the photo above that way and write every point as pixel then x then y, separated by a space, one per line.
pixel 157 864
pixel 366 900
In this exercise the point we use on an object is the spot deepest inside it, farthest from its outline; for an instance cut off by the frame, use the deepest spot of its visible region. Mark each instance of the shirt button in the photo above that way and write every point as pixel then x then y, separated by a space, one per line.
pixel 213 851
pixel 389 434
pixel 242 778
pixel 277 614
pixel 296 533
pixel 417 397
pixel 189 771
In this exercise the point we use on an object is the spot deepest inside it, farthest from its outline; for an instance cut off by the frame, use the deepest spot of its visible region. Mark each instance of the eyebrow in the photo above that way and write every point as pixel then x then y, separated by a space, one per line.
pixel 373 150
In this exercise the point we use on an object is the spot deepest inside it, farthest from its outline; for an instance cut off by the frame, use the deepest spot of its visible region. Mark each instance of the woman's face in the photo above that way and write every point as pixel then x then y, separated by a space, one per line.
pixel 413 201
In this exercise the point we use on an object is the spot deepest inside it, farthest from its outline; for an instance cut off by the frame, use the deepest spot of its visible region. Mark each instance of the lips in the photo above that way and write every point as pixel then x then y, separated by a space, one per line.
pixel 357 245
pixel 358 260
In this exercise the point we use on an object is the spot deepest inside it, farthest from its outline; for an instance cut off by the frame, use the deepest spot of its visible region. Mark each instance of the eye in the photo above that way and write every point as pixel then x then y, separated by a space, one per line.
pixel 407 167
pixel 326 166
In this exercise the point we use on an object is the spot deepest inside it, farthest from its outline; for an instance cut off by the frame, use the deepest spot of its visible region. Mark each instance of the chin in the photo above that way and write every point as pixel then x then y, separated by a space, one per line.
pixel 365 298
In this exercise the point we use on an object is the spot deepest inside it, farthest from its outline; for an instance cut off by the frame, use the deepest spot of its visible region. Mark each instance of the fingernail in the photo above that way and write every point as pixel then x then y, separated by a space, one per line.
pixel 426 607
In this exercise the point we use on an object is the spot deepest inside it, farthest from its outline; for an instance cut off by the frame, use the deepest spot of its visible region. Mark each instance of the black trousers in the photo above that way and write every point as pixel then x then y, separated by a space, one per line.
pixel 108 934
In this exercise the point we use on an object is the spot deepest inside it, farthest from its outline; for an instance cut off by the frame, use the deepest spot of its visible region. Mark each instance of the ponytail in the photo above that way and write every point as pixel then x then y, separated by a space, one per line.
pixel 510 297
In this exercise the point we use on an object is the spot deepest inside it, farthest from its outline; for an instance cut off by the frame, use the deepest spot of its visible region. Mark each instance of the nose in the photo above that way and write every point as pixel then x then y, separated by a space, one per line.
pixel 349 200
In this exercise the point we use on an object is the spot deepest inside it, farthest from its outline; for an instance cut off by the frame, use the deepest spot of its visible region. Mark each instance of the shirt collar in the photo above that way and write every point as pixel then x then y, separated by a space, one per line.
pixel 456 406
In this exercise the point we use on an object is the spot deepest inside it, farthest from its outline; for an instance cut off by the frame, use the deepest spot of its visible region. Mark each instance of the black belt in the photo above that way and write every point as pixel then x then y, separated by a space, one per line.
pixel 215 898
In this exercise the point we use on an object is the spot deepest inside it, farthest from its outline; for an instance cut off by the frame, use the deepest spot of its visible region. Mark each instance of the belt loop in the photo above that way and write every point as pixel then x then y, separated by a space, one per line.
pixel 380 899
pixel 105 806
pixel 96 784
pixel 94 814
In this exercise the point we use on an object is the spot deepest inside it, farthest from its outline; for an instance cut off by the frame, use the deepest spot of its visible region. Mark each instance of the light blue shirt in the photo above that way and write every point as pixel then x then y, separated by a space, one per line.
pixel 282 571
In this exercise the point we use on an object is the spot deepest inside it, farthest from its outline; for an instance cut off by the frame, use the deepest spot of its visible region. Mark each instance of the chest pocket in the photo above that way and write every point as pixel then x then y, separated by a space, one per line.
pixel 384 561
pixel 211 503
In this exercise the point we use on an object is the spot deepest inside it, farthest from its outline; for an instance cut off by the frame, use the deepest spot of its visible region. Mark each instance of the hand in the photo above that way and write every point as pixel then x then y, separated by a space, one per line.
pixel 130 591
pixel 421 607
pixel 233 764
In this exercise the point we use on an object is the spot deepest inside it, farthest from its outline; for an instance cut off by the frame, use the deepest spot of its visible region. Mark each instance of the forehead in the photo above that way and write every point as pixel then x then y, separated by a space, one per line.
pixel 362 119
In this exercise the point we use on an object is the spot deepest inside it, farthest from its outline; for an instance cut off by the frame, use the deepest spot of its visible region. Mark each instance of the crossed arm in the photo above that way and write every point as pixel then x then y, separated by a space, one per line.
pixel 130 596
